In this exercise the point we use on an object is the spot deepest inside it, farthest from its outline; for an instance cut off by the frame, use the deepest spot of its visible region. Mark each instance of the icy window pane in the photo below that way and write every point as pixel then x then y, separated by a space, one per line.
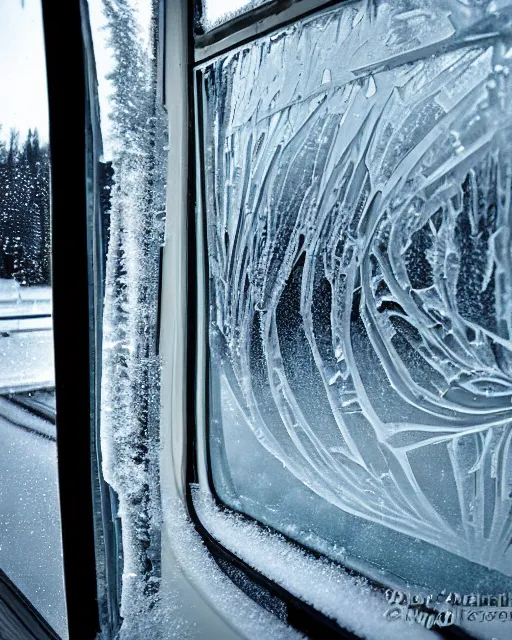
pixel 217 12
pixel 30 537
pixel 358 185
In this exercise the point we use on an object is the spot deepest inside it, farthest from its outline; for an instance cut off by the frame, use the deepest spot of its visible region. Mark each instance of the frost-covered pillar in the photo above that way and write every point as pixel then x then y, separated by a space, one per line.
pixel 130 383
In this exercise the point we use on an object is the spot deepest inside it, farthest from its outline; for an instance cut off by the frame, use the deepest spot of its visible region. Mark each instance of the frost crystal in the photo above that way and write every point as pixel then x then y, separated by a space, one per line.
pixel 130 380
pixel 349 600
pixel 358 190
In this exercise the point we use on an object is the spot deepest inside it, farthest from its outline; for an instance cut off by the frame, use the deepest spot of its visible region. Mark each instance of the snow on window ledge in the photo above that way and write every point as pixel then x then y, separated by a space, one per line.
pixel 197 599
pixel 324 585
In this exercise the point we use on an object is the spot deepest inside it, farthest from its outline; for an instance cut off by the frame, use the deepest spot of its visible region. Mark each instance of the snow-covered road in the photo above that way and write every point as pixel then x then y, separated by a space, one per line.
pixel 30 540
pixel 26 338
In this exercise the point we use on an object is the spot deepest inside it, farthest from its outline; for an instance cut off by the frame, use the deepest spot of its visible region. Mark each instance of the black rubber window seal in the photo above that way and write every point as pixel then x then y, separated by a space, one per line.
pixel 71 309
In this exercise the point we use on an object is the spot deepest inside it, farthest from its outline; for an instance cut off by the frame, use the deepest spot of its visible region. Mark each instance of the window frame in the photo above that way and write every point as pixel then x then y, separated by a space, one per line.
pixel 188 412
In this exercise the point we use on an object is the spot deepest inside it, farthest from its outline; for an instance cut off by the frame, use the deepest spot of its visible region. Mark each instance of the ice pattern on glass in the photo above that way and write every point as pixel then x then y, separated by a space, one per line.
pixel 357 202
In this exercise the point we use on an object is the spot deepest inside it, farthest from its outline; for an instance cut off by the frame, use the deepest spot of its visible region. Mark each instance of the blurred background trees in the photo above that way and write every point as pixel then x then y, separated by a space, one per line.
pixel 25 209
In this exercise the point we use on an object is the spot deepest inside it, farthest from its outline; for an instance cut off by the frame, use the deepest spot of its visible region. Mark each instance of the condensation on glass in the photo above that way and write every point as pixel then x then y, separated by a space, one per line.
pixel 217 12
pixel 357 178
pixel 30 536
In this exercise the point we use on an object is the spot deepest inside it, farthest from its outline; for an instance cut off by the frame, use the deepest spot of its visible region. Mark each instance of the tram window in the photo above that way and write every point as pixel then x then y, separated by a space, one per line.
pixel 355 169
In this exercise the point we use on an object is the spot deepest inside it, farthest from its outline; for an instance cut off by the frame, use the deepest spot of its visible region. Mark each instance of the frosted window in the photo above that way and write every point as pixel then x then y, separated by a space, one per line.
pixel 217 12
pixel 30 536
pixel 358 186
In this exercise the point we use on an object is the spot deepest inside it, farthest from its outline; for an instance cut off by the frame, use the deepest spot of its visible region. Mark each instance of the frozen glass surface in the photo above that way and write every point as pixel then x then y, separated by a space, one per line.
pixel 216 12
pixel 30 537
pixel 358 181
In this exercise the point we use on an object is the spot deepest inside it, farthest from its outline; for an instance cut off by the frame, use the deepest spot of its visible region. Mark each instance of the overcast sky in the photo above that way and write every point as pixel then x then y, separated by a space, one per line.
pixel 23 99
